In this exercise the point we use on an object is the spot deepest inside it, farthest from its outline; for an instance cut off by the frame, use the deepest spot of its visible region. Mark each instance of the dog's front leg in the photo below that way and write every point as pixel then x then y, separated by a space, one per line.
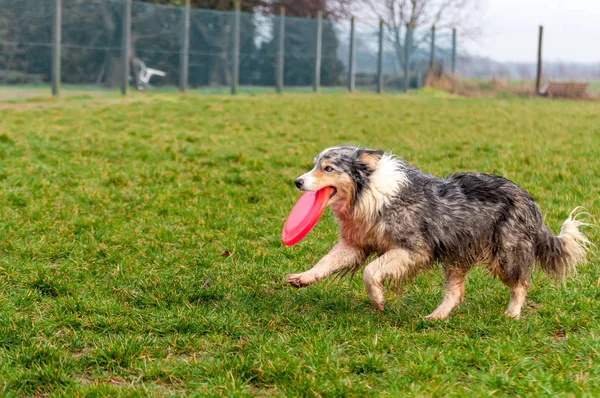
pixel 341 257
pixel 396 264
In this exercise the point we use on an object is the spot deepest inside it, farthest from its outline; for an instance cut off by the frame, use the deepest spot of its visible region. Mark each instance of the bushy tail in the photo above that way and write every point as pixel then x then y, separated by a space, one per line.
pixel 558 255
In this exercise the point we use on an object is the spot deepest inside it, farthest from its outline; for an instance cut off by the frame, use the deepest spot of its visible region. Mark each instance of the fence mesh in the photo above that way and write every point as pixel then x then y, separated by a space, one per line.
pixel 258 51
pixel 93 37
pixel 365 48
pixel 300 52
pixel 92 43
pixel 334 53
pixel 156 38
pixel 211 48
pixel 25 41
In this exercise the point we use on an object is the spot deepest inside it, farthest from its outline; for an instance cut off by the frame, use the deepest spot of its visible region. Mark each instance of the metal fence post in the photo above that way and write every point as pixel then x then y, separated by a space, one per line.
pixel 317 79
pixel 184 56
pixel 56 44
pixel 352 60
pixel 236 49
pixel 380 60
pixel 280 53
pixel 454 51
pixel 407 51
pixel 538 76
pixel 432 60
pixel 126 46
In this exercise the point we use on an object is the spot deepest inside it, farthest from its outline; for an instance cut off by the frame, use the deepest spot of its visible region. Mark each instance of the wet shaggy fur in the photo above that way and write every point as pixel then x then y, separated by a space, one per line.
pixel 411 219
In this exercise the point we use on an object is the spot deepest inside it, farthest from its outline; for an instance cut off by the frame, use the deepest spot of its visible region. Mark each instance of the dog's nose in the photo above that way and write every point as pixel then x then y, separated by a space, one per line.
pixel 299 182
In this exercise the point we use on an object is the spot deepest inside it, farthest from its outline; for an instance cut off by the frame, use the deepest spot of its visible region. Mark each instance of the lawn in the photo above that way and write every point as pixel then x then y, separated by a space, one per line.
pixel 140 250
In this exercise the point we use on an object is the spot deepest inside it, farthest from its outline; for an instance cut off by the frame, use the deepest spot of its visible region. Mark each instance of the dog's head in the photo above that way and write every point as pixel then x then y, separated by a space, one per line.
pixel 347 169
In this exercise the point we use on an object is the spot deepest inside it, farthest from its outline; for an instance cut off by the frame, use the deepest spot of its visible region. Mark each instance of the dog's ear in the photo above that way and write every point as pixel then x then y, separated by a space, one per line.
pixel 370 157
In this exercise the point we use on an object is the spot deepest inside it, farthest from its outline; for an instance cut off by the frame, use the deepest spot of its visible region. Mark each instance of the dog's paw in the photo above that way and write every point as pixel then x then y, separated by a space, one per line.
pixel 435 316
pixel 298 280
pixel 512 314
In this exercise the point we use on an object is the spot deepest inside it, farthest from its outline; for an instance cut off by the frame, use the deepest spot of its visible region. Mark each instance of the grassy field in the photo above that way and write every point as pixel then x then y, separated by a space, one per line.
pixel 594 87
pixel 14 94
pixel 140 250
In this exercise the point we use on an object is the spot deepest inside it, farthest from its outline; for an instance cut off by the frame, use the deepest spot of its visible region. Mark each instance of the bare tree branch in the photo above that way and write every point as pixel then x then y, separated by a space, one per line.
pixel 414 16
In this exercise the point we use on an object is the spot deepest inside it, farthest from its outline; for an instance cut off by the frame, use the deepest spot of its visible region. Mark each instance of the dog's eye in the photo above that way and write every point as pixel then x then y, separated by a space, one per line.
pixel 328 169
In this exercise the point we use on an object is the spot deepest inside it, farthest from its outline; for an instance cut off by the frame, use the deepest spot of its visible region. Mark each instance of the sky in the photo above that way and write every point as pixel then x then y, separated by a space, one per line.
pixel 510 30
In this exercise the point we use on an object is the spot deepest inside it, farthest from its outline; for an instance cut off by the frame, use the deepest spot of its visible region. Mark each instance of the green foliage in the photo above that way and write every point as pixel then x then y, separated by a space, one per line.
pixel 140 250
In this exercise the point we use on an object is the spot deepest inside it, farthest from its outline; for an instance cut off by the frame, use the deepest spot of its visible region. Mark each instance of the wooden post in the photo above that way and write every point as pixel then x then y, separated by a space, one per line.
pixel 56 47
pixel 280 53
pixel 453 51
pixel 407 51
pixel 432 59
pixel 352 60
pixel 236 49
pixel 317 79
pixel 184 56
pixel 126 46
pixel 538 76
pixel 380 60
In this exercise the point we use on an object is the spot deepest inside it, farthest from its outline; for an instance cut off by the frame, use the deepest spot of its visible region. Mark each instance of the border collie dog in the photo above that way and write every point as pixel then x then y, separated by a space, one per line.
pixel 411 220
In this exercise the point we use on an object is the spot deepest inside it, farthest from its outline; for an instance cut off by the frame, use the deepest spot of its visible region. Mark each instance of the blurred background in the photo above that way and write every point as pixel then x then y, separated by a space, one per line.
pixel 464 46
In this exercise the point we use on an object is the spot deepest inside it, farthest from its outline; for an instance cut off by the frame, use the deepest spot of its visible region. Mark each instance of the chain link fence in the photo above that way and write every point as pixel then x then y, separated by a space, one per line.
pixel 110 44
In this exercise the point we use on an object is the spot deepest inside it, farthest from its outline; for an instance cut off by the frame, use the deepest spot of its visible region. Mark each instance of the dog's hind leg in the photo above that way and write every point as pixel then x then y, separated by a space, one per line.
pixel 397 265
pixel 341 257
pixel 518 292
pixel 514 270
pixel 454 293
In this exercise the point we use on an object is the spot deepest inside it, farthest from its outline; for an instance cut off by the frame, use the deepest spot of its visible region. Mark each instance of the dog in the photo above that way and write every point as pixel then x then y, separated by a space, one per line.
pixel 410 220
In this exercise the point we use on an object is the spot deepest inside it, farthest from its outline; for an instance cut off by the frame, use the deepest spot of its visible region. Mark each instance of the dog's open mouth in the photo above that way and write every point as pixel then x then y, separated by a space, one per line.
pixel 333 192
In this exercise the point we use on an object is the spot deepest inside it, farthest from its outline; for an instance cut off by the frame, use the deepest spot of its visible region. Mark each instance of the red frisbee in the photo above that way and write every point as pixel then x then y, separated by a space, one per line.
pixel 304 215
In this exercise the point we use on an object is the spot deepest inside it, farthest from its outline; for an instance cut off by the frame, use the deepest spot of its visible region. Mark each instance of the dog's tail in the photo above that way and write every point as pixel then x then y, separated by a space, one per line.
pixel 559 255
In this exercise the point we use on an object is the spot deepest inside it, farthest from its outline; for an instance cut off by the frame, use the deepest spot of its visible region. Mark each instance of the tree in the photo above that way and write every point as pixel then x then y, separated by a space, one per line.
pixel 332 9
pixel 401 16
pixel 299 42
pixel 211 31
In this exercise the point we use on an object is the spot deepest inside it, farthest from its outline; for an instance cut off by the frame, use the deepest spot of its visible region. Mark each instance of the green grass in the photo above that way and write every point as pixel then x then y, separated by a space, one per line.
pixel 594 87
pixel 140 250
pixel 27 93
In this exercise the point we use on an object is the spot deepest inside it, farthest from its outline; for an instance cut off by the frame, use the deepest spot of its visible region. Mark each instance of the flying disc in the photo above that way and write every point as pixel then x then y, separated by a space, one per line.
pixel 304 215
